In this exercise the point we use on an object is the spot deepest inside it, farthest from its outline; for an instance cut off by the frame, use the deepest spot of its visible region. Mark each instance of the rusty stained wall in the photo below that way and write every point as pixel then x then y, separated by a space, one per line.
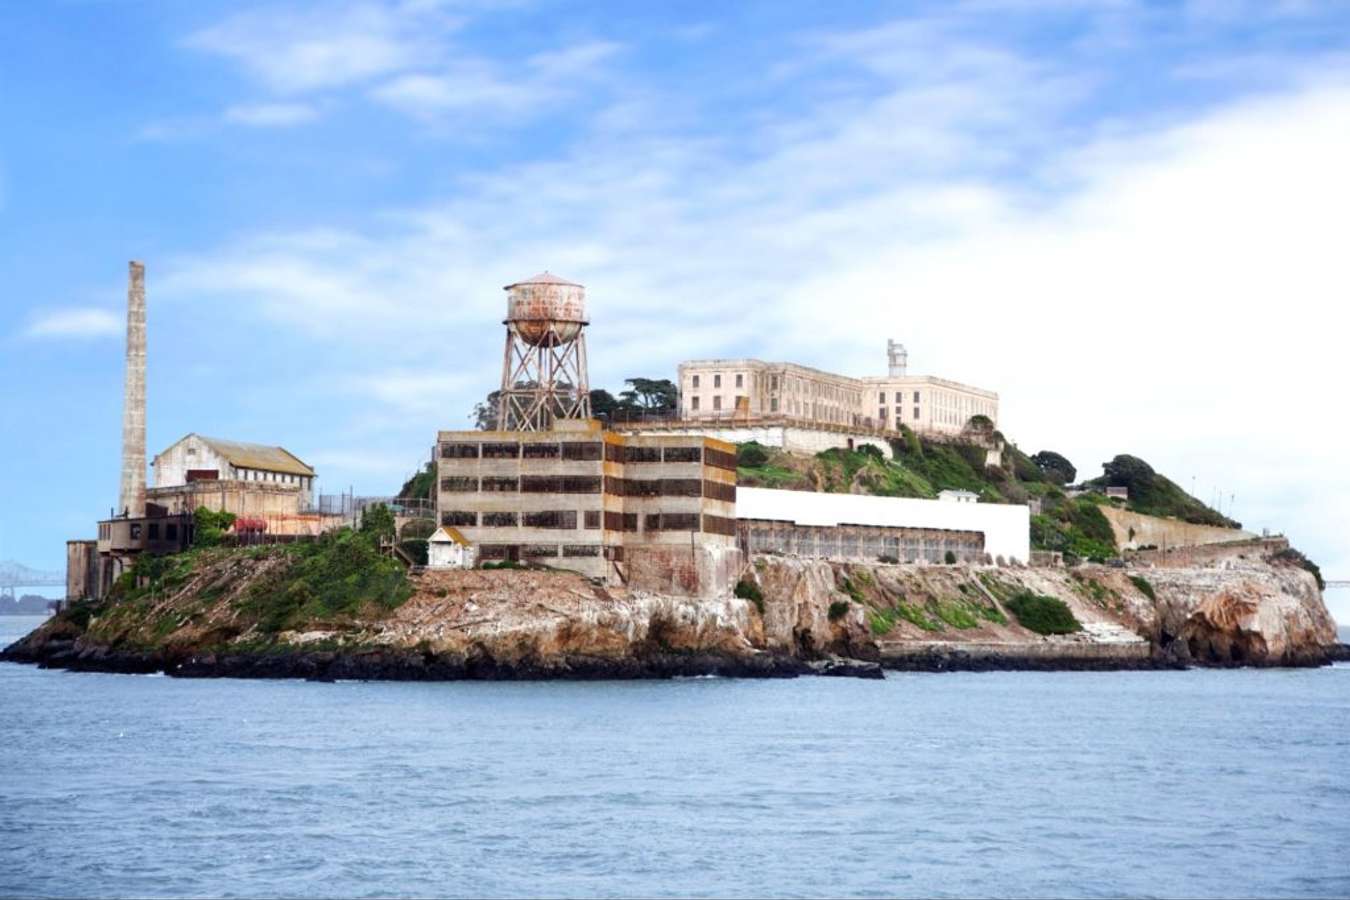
pixel 279 504
pixel 81 569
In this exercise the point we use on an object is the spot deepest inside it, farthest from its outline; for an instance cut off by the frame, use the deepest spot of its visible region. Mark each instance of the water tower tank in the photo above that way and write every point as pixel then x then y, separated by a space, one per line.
pixel 546 311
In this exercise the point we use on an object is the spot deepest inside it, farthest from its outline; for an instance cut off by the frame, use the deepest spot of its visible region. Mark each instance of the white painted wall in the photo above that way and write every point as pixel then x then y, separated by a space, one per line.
pixel 171 466
pixel 1006 528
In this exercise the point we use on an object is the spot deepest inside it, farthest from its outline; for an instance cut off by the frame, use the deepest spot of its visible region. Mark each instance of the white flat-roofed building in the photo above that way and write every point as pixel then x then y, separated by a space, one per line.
pixel 937 527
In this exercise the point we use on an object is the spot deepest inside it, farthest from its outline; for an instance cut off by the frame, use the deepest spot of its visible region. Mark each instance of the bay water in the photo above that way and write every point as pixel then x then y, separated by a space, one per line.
pixel 1165 784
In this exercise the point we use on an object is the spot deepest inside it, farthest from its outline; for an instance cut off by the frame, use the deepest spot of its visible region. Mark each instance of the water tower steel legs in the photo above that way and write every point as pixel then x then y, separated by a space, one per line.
pixel 542 383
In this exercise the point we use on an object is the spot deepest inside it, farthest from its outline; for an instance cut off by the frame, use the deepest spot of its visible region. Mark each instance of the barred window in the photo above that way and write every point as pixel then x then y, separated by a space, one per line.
pixel 652 522
pixel 592 518
pixel 459 484
pixel 577 450
pixel 615 487
pixel 494 551
pixel 673 522
pixel 621 521
pixel 642 487
pixel 541 484
pixel 615 453
pixel 719 525
pixel 581 550
pixel 500 520
pixel 581 484
pixel 541 451
pixel 553 518
pixel 717 490
pixel 501 484
pixel 459 451
pixel 501 451
pixel 643 454
pixel 681 487
pixel 457 518
pixel 684 454
pixel 719 459
pixel 539 551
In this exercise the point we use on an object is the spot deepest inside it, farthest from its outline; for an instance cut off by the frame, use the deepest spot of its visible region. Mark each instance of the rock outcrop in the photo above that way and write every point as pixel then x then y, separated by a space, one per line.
pixel 813 617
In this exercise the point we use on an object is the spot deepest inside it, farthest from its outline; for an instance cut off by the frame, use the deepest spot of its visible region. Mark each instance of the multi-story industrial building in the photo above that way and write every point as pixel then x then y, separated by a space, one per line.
pixel 653 510
pixel 728 390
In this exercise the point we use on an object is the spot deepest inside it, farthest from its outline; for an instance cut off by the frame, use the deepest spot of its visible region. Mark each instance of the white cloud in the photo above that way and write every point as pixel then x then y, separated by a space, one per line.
pixel 1169 290
pixel 75 322
pixel 326 45
pixel 499 89
pixel 268 115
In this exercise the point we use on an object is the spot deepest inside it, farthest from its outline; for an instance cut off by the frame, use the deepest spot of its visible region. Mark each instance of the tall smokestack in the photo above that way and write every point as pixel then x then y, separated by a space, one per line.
pixel 132 498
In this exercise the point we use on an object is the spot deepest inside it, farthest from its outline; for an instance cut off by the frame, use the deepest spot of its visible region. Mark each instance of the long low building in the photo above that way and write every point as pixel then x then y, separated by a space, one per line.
pixel 855 525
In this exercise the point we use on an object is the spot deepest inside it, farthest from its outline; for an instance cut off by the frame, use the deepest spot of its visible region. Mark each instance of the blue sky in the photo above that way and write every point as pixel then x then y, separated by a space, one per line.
pixel 1128 218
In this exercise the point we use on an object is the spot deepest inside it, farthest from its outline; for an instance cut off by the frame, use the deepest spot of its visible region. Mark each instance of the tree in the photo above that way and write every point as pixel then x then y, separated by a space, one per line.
pixel 485 413
pixel 603 403
pixel 377 521
pixel 1056 468
pixel 650 395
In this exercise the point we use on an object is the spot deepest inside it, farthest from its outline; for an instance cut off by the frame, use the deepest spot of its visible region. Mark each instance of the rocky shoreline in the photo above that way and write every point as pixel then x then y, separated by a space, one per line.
pixel 404 665
pixel 800 617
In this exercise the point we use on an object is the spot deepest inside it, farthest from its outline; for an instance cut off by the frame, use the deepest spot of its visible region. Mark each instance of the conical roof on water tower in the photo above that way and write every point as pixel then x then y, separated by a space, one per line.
pixel 546 309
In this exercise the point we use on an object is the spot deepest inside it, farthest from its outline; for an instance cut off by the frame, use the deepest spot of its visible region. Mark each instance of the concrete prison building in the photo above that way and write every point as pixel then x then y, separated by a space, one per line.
pixel 652 511
pixel 713 390
pixel 854 526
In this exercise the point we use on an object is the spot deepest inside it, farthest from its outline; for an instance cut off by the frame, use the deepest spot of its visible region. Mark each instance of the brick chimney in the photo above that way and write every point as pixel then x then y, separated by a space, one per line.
pixel 131 500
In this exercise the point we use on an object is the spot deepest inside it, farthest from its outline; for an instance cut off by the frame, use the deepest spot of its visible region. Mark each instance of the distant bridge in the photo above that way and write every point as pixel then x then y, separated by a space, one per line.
pixel 1338 584
pixel 16 575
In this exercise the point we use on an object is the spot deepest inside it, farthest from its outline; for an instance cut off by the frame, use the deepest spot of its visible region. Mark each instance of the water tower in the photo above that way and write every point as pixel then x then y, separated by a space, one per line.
pixel 544 373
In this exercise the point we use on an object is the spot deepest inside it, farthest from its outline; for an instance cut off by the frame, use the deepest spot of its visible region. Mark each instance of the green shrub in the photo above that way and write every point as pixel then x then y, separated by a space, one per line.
pixel 949 558
pixel 1042 614
pixel 210 527
pixel 888 559
pixel 336 576
pixel 1144 587
pixel 881 621
pixel 751 455
pixel 838 609
pixel 957 615
pixel 749 590
pixel 502 564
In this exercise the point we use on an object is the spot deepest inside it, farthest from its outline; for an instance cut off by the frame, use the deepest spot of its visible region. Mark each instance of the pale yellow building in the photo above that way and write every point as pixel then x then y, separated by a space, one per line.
pixel 729 390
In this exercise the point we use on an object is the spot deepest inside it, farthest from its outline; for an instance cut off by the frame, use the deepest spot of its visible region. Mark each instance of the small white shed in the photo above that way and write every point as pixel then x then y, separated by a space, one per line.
pixel 955 496
pixel 448 549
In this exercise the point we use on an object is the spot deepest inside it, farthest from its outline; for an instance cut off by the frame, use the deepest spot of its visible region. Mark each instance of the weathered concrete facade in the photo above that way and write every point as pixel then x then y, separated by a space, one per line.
pixel 624 509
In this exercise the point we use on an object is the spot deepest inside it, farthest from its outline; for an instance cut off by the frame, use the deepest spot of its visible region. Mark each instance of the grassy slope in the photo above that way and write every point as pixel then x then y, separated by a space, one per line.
pixel 922 468
pixel 209 596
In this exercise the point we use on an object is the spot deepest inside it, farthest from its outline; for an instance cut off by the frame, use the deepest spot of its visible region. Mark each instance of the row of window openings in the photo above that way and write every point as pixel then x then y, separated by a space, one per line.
pixel 590 484
pixel 881 413
pixel 170 531
pixel 717 381
pixel 566 520
pixel 586 452
pixel 259 475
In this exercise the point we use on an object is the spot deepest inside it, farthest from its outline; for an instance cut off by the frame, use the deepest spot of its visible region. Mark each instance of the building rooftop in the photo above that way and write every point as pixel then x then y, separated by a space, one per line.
pixel 258 456
pixel 544 277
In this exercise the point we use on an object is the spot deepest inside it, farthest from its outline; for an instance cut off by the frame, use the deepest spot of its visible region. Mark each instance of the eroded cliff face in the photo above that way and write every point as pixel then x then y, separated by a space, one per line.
pixel 509 624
